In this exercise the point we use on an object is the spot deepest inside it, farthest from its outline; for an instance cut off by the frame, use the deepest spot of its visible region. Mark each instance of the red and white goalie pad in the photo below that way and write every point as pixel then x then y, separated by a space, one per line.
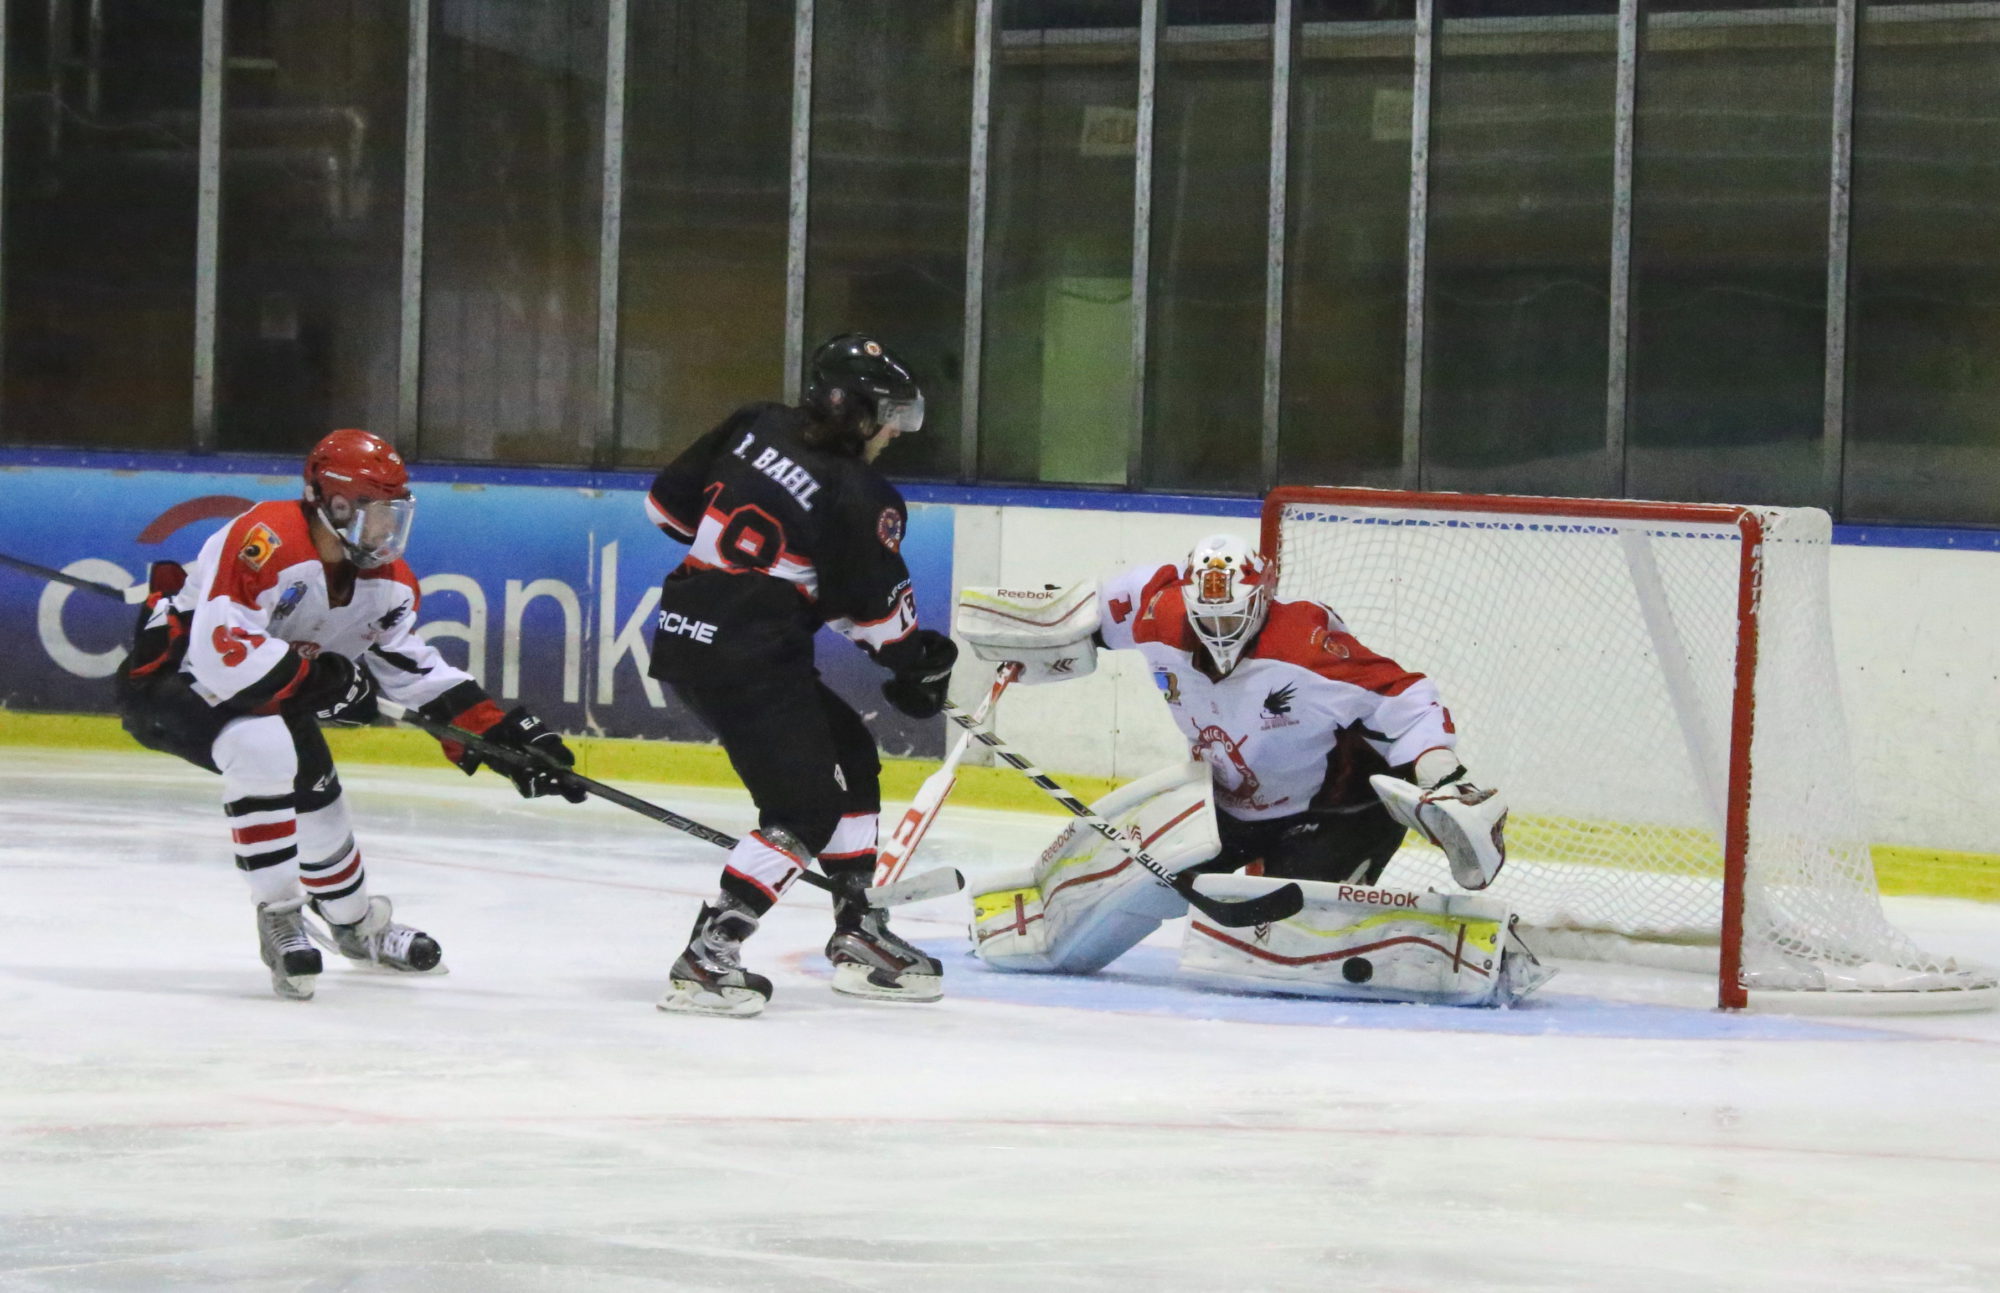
pixel 1353 943
pixel 1085 902
pixel 1048 632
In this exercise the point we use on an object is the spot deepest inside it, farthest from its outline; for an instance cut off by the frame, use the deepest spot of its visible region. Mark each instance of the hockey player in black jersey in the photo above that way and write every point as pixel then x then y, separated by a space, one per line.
pixel 790 527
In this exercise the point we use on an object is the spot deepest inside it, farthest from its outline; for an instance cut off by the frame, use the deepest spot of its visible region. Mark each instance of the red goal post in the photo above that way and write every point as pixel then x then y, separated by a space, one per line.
pixel 1652 685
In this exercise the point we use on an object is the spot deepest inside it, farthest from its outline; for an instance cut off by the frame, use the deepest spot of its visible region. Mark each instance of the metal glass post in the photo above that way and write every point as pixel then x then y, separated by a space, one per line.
pixel 1283 28
pixel 1840 203
pixel 416 139
pixel 617 25
pixel 801 184
pixel 208 221
pixel 975 237
pixel 1142 229
pixel 1617 398
pixel 1420 205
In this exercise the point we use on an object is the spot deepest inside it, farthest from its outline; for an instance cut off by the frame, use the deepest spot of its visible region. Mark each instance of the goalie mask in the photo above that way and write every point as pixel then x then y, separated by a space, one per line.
pixel 1226 588
pixel 361 489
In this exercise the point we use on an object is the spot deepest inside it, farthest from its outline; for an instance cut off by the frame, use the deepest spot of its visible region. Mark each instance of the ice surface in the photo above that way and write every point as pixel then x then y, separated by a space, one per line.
pixel 531 1122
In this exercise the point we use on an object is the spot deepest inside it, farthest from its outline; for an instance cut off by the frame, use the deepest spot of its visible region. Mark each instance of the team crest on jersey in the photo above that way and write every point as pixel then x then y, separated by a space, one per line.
pixel 258 547
pixel 287 603
pixel 1169 684
pixel 889 529
pixel 1334 647
pixel 1278 708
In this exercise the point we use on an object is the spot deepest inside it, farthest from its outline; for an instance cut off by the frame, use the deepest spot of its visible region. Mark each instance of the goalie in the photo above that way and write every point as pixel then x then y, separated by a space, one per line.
pixel 1320 755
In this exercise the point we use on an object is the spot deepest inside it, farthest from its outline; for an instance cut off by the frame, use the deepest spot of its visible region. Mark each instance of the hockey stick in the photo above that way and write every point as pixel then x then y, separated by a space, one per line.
pixel 1264 909
pixel 134 595
pixel 930 884
pixel 923 810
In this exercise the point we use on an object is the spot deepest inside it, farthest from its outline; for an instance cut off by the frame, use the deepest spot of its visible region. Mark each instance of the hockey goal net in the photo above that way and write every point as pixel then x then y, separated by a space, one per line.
pixel 1652 686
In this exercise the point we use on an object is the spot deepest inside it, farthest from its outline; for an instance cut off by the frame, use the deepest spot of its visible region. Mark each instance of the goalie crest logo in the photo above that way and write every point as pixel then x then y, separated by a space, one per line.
pixel 889 529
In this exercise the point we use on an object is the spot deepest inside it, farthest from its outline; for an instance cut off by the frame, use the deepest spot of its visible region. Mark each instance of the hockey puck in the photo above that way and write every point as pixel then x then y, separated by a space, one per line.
pixel 1357 969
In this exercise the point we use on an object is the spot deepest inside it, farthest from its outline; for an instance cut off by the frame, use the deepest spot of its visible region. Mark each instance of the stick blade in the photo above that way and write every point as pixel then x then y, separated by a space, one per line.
pixel 1267 908
pixel 934 883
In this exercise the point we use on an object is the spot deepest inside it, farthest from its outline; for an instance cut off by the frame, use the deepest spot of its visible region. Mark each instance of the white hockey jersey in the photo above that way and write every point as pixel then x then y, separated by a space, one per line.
pixel 258 608
pixel 1304 718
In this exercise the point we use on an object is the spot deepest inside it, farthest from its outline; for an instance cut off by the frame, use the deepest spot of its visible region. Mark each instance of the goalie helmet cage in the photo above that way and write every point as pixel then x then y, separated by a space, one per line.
pixel 1652 685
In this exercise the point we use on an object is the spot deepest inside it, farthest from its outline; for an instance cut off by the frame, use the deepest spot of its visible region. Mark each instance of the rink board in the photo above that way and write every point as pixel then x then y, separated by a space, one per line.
pixel 547 592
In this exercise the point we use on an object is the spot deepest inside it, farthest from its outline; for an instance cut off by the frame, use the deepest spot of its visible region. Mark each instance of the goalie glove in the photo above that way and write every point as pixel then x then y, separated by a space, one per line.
pixel 1049 632
pixel 1467 823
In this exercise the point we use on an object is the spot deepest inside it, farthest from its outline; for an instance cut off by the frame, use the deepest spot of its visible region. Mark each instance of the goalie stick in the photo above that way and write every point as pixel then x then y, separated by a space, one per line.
pixel 923 810
pixel 1265 909
pixel 931 884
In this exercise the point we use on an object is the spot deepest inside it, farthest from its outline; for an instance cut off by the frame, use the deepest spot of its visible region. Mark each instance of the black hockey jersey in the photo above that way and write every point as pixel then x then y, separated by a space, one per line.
pixel 783 538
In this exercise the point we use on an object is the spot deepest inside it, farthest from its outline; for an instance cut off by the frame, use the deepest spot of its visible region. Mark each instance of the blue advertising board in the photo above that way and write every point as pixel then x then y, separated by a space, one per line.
pixel 547 593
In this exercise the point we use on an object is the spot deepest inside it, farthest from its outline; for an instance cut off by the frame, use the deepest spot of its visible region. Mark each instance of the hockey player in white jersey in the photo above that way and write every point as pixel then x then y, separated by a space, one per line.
pixel 294 614
pixel 1296 718
pixel 1313 756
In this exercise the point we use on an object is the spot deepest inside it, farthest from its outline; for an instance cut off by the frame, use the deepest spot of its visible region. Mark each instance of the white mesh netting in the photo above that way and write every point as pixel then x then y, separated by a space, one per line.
pixel 1589 666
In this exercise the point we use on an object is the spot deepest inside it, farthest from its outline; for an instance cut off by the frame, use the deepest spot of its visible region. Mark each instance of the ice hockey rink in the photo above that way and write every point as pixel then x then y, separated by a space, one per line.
pixel 531 1122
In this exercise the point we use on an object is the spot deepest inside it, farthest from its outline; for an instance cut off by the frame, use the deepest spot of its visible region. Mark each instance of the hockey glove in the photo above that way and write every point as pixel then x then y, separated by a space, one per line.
pixel 918 689
pixel 337 690
pixel 520 730
pixel 355 706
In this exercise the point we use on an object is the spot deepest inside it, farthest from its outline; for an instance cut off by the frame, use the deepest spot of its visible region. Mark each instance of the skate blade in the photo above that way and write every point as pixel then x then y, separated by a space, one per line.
pixel 294 987
pixel 854 980
pixel 367 966
pixel 686 998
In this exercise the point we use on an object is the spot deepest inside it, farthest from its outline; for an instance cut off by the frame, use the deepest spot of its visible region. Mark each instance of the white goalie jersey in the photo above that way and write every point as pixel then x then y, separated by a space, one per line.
pixel 1304 718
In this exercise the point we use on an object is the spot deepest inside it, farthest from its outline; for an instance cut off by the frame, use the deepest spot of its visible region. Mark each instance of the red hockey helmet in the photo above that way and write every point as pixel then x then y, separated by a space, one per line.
pixel 361 488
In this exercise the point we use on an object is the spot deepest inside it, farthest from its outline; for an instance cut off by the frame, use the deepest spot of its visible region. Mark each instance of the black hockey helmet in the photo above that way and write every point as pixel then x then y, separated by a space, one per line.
pixel 856 383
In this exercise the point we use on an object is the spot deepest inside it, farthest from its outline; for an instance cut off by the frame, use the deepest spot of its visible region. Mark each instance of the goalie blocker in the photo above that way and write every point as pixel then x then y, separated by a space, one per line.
pixel 1082 904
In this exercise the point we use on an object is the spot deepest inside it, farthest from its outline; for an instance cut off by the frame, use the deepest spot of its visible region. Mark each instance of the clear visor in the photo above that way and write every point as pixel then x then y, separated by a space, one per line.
pixel 904 417
pixel 376 532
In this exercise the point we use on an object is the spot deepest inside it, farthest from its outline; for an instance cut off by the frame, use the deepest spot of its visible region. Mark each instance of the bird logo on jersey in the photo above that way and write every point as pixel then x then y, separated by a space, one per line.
pixel 258 547
pixel 1278 708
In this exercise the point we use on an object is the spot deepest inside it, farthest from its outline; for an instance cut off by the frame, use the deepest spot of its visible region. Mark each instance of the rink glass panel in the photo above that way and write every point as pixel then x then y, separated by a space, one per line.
pixel 885 249
pixel 100 227
pixel 312 192
pixel 512 231
pixel 1923 441
pixel 1056 386
pixel 1211 184
pixel 1517 309
pixel 1729 247
pixel 702 274
pixel 1347 243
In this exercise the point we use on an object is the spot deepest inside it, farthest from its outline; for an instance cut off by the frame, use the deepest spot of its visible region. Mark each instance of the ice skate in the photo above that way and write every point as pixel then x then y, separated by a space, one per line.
pixel 281 939
pixel 709 978
pixel 377 940
pixel 869 960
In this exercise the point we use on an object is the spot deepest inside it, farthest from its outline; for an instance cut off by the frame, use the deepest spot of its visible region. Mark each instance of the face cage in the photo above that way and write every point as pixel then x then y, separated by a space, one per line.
pixel 904 417
pixel 378 532
pixel 1226 633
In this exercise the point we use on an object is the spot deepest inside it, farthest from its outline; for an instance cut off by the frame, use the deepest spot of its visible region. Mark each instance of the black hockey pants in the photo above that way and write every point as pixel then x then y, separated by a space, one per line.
pixel 802 752
pixel 1351 847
